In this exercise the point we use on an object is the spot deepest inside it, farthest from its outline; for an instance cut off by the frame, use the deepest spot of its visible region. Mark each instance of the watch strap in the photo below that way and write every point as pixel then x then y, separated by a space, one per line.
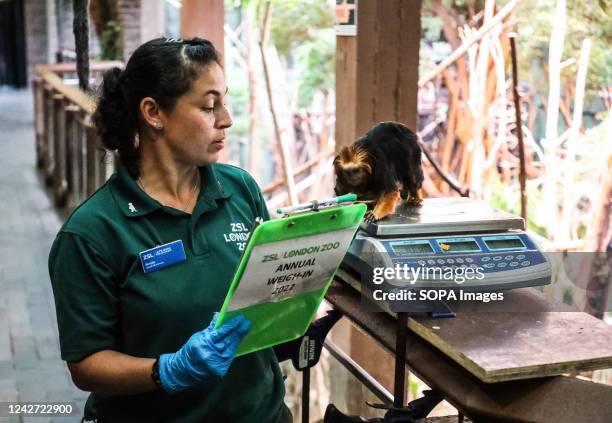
pixel 155 374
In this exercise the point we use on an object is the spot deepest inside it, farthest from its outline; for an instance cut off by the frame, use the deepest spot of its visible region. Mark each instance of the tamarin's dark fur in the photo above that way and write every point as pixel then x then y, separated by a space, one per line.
pixel 384 165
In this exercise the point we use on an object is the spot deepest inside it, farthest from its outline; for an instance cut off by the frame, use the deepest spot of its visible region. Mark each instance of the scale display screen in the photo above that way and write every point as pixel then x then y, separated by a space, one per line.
pixel 504 244
pixel 458 246
pixel 412 248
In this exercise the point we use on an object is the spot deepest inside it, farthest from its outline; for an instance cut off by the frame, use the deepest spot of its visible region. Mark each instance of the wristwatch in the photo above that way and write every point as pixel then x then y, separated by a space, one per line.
pixel 155 374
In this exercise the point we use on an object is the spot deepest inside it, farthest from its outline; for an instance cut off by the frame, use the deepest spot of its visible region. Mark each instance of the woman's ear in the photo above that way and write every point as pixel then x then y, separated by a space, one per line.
pixel 151 113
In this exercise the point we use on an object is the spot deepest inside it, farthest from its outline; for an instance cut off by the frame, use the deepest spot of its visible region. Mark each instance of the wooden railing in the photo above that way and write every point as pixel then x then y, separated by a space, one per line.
pixel 68 152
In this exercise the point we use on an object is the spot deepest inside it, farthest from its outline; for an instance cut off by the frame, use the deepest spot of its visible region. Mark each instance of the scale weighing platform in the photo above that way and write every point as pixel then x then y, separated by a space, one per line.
pixel 451 233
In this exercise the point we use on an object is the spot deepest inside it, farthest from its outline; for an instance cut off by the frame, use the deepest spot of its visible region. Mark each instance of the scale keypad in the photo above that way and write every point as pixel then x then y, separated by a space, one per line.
pixel 489 262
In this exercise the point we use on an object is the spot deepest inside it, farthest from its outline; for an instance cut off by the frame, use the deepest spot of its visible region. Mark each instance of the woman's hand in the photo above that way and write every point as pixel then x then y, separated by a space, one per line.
pixel 206 356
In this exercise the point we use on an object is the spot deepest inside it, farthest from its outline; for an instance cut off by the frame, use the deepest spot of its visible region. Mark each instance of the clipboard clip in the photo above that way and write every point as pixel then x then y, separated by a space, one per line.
pixel 316 205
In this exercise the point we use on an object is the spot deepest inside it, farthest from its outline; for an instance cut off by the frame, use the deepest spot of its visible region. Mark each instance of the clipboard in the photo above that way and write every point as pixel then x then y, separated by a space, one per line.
pixel 272 286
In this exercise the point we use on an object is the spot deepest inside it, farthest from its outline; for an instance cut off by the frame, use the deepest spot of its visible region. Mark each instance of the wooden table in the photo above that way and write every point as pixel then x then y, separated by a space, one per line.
pixel 533 340
pixel 499 366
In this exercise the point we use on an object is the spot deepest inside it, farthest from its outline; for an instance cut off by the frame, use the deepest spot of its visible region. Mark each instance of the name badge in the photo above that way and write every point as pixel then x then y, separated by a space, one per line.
pixel 162 256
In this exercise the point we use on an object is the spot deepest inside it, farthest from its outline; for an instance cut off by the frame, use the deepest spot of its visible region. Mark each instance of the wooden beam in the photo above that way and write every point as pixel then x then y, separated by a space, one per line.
pixel 377 71
pixel 72 93
pixel 203 19
pixel 376 80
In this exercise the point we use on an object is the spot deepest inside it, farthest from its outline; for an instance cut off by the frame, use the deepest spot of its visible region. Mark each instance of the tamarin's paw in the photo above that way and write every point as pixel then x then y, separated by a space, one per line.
pixel 414 201
pixel 375 216
pixel 369 217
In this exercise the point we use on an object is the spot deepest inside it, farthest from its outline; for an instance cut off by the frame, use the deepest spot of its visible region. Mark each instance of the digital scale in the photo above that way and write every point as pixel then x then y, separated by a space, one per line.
pixel 451 233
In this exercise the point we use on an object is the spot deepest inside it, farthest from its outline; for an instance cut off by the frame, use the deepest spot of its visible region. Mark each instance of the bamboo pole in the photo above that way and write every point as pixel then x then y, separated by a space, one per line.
pixel 323 145
pixel 478 100
pixel 519 128
pixel 284 151
pixel 557 37
pixel 450 33
pixel 569 197
pixel 503 13
pixel 254 153
pixel 450 180
pixel 500 79
pixel 599 233
pixel 451 122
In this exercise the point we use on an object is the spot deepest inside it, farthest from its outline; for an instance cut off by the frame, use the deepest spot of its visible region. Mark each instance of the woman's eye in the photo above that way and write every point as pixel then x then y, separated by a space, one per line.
pixel 208 109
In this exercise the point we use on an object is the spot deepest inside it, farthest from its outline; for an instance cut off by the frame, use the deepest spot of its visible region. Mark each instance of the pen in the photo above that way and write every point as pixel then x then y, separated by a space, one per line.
pixel 316 204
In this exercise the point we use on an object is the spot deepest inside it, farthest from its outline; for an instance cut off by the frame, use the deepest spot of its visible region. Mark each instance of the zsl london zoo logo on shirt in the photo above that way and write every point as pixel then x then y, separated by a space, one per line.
pixel 239 235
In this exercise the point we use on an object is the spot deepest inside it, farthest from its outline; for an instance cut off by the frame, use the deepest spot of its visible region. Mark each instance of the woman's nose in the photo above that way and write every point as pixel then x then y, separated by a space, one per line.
pixel 225 119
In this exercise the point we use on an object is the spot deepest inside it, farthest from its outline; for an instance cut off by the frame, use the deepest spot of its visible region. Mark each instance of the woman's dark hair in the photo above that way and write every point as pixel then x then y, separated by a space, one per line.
pixel 164 69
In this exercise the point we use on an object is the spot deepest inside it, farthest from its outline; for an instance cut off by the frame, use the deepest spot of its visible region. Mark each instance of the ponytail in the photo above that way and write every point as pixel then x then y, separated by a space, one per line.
pixel 116 121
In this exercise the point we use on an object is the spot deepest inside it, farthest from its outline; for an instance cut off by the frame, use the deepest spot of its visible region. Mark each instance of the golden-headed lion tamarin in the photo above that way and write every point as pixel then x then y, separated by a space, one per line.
pixel 384 166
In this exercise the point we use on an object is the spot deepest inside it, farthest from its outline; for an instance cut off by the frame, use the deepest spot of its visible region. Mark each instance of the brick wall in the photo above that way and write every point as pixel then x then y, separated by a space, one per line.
pixel 64 13
pixel 44 37
pixel 129 19
pixel 37 46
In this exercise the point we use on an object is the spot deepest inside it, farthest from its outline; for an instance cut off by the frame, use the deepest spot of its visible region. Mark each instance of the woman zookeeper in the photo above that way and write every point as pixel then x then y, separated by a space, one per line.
pixel 140 336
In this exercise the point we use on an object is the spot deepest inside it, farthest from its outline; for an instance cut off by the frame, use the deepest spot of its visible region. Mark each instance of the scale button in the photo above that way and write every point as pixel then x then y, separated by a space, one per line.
pixel 459 260
pixel 485 259
pixel 450 261
pixel 520 257
pixel 489 265
pixel 513 263
pixel 431 262
pixel 525 263
pixel 421 262
pixel 469 260
pixel 440 261
pixel 502 264
pixel 509 257
pixel 497 258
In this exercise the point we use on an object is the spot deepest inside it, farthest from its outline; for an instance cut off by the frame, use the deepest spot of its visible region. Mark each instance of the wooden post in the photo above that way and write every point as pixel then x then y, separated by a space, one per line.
pixel 72 151
pixel 39 118
pixel 49 134
pixel 60 184
pixel 203 19
pixel 91 141
pixel 81 151
pixel 376 80
pixel 377 71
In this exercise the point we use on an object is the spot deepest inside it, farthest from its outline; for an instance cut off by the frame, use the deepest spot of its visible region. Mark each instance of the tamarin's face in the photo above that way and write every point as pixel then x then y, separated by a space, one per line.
pixel 352 171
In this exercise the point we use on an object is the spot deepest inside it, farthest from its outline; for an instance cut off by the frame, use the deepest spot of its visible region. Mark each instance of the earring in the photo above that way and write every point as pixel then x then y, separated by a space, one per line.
pixel 158 126
pixel 137 141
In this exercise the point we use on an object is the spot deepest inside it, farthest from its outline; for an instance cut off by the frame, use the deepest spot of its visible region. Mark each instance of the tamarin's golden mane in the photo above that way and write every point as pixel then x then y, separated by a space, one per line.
pixel 350 157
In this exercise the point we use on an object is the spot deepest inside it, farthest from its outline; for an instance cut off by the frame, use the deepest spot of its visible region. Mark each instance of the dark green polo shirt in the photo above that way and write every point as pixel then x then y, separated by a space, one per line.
pixel 104 300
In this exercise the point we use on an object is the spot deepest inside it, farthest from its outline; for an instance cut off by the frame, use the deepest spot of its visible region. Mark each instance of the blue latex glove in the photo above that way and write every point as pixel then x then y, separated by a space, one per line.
pixel 205 357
